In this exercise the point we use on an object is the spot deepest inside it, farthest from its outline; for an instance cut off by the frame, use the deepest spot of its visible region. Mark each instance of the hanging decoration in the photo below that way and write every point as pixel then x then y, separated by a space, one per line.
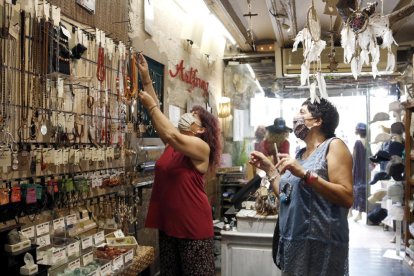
pixel 312 49
pixel 362 36
pixel 250 30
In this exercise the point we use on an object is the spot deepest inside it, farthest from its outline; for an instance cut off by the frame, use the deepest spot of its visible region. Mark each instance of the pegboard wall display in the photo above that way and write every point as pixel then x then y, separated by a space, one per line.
pixel 68 104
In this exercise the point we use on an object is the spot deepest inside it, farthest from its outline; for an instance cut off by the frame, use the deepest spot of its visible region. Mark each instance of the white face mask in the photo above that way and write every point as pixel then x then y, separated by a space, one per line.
pixel 186 120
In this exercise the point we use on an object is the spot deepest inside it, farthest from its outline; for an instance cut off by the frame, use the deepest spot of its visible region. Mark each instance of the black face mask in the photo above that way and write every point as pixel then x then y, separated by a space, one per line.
pixel 299 128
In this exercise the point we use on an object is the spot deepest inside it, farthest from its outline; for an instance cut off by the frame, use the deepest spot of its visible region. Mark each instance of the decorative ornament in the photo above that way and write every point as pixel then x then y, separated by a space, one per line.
pixel 312 49
pixel 359 40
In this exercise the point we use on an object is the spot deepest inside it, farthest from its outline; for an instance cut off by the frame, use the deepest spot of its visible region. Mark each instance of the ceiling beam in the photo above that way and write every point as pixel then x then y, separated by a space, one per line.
pixel 226 14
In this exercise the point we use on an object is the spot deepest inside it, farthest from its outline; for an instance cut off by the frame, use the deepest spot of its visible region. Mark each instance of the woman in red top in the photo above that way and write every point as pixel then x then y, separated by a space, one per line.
pixel 179 206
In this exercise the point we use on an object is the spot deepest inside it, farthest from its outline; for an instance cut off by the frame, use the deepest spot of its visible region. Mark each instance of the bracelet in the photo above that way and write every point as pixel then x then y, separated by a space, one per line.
pixel 150 110
pixel 270 179
pixel 147 83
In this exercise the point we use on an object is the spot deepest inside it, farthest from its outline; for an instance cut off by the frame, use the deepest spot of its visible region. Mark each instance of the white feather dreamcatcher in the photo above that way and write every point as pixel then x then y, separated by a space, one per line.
pixel 359 40
pixel 312 49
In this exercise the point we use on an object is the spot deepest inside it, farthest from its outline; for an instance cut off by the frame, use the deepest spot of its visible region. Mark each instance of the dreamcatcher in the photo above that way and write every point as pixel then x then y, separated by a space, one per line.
pixel 312 49
pixel 360 38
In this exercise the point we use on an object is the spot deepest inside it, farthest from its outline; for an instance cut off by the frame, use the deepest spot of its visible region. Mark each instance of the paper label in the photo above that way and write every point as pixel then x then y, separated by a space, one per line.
pixel 95 273
pixel 95 156
pixel 71 219
pixel 42 229
pixel 74 264
pixel 43 241
pixel 118 262
pixel 119 234
pixel 59 255
pixel 129 256
pixel 87 242
pixel 87 258
pixel 5 160
pixel 99 237
pixel 106 269
pixel 73 249
pixel 58 157
pixel 59 223
pixel 29 232
pixel 60 88
pixel 65 157
pixel 55 16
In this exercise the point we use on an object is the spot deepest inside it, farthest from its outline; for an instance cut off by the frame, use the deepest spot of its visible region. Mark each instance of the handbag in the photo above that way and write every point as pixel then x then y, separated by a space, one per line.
pixel 275 243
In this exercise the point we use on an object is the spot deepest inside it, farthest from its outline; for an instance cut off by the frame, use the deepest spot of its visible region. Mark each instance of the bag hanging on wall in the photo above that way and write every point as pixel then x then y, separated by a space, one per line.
pixel 275 243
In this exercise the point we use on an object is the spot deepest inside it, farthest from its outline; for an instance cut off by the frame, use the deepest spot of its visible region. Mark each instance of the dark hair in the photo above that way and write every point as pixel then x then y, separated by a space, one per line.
pixel 326 111
pixel 211 134
pixel 361 132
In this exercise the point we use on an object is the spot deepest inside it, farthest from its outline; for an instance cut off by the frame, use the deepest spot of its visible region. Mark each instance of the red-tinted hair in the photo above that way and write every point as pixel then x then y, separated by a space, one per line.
pixel 211 134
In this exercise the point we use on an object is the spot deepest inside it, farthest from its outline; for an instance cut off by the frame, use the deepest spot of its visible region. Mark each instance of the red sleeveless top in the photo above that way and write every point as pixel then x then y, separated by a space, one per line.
pixel 179 205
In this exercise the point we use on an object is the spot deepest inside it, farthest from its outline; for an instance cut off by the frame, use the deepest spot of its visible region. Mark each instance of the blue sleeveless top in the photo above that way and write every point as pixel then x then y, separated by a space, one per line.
pixel 314 233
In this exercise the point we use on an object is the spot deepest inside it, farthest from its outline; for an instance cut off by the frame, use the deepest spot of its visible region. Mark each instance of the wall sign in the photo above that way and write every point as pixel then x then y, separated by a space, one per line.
pixel 89 5
pixel 190 77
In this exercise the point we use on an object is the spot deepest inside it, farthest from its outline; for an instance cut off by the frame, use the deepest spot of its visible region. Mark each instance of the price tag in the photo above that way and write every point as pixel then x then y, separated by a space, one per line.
pixel 99 237
pixel 74 264
pixel 95 156
pixel 59 223
pixel 55 16
pixel 119 234
pixel 106 269
pixel 118 262
pixel 87 258
pixel 71 219
pixel 95 273
pixel 73 249
pixel 65 157
pixel 70 122
pixel 59 255
pixel 86 242
pixel 29 232
pixel 129 256
pixel 43 241
pixel 60 91
pixel 76 157
pixel 5 160
pixel 58 157
pixel 42 229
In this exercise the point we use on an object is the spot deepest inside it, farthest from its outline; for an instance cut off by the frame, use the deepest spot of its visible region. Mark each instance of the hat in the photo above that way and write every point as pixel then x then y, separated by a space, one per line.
pixel 395 106
pixel 361 126
pixel 395 192
pixel 380 156
pixel 396 170
pixel 385 129
pixel 279 125
pixel 379 176
pixel 377 196
pixel 380 116
pixel 396 148
pixel 382 137
pixel 397 128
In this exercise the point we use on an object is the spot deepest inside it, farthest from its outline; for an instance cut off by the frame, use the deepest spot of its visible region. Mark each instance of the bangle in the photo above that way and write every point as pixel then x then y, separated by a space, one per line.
pixel 147 83
pixel 310 177
pixel 151 109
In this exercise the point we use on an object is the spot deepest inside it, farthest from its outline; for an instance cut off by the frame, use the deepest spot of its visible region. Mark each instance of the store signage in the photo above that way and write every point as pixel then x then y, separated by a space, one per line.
pixel 189 76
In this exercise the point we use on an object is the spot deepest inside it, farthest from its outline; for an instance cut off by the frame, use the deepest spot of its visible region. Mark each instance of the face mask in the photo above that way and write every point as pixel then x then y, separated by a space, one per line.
pixel 186 120
pixel 299 128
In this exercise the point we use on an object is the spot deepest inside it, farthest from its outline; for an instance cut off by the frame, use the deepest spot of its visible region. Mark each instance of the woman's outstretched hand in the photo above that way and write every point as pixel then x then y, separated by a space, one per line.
pixel 260 161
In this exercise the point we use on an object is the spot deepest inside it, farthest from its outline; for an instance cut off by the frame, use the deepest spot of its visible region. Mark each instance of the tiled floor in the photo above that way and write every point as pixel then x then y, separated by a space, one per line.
pixel 367 246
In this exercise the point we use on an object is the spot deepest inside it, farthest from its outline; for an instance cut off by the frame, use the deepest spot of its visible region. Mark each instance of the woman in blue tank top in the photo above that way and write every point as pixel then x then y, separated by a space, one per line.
pixel 315 193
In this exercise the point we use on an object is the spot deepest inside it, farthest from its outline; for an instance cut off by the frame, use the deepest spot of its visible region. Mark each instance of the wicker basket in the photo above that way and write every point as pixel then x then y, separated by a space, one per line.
pixel 145 257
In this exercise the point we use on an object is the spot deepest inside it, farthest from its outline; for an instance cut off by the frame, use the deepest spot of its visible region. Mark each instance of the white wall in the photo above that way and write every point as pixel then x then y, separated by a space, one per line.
pixel 166 46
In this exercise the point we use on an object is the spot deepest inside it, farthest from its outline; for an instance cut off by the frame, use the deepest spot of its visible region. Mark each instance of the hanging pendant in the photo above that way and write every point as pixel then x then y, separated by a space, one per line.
pixel 15 165
pixel 43 128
